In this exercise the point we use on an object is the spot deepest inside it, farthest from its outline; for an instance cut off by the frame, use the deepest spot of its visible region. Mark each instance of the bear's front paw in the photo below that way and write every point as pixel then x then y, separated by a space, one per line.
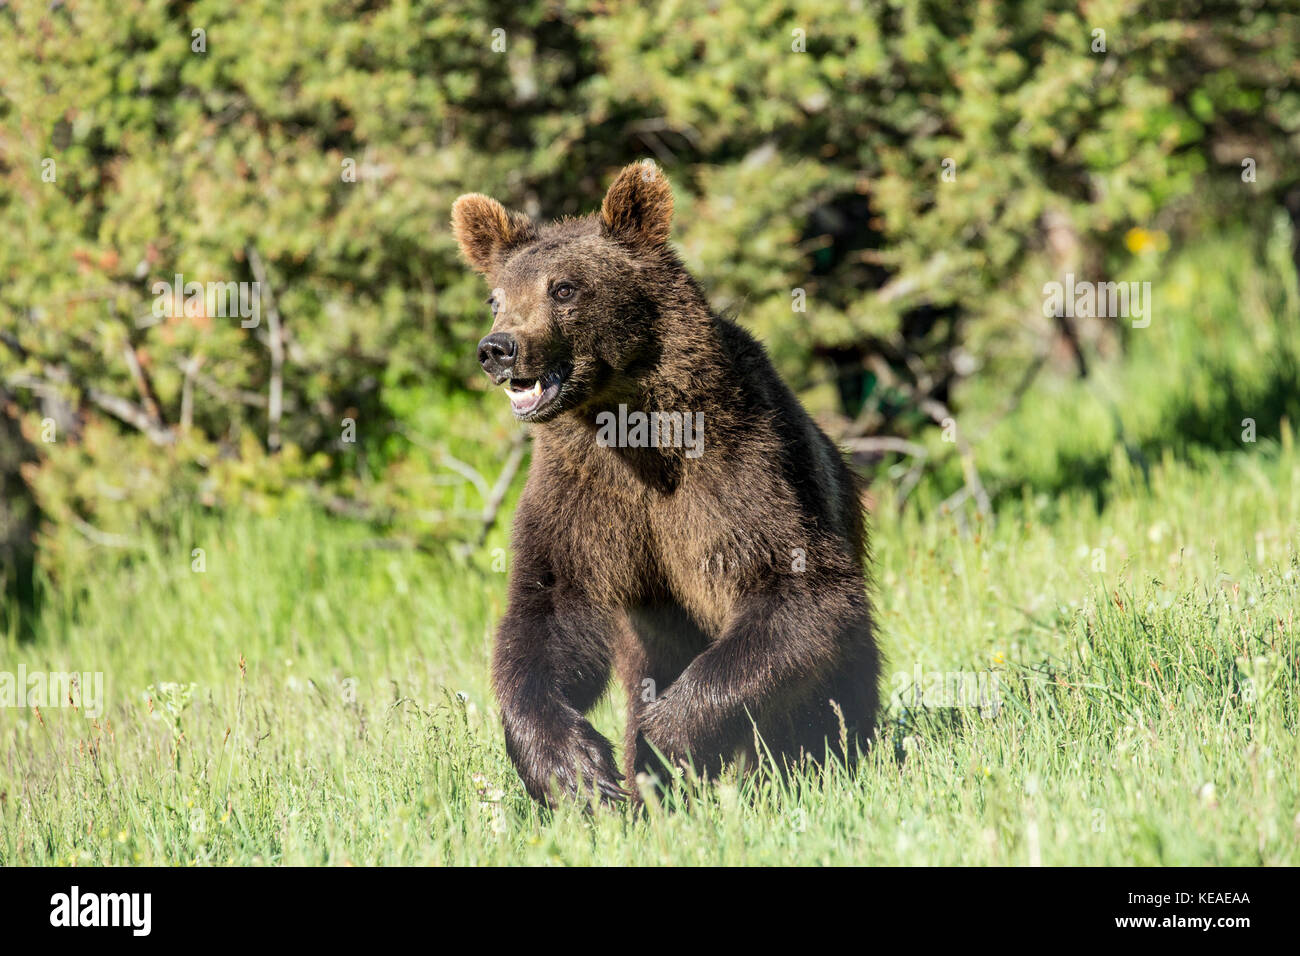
pixel 647 760
pixel 660 750
pixel 667 746
pixel 580 764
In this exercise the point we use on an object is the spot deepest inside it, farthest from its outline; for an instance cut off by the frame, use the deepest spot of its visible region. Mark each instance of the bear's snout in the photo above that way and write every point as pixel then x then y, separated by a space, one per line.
pixel 496 353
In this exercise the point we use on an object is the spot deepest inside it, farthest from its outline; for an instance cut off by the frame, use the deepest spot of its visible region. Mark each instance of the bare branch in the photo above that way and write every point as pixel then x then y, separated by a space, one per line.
pixel 143 385
pixel 878 444
pixel 275 342
pixel 1018 393
pixel 120 408
pixel 492 506
pixel 11 341
pixel 104 538
pixel 940 413
pixel 905 285
pixel 128 412
pixel 468 472
pixel 191 369
pixel 231 396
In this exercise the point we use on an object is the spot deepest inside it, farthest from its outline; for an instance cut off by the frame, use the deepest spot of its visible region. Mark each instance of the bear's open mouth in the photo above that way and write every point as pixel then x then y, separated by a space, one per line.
pixel 530 395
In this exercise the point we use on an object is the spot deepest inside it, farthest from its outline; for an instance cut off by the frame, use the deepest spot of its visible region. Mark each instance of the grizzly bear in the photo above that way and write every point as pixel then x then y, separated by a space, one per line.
pixel 684 521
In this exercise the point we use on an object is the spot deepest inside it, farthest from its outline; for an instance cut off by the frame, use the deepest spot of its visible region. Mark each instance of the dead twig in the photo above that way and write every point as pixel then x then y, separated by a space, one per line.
pixel 940 413
pixel 106 539
pixel 905 285
pixel 144 385
pixel 231 396
pixel 130 413
pixel 1017 394
pixel 468 472
pixel 497 497
pixel 275 343
pixel 191 369
pixel 878 444
pixel 57 374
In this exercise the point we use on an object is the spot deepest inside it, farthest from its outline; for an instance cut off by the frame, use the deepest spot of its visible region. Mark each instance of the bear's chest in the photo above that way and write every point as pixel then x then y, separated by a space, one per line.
pixel 699 542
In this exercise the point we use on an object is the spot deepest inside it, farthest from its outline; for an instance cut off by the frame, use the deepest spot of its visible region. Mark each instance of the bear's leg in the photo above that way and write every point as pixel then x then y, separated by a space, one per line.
pixel 836 718
pixel 847 727
pixel 550 665
pixel 659 644
pixel 786 642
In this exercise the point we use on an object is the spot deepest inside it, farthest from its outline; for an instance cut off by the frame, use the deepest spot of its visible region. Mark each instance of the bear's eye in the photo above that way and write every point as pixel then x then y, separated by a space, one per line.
pixel 492 302
pixel 563 291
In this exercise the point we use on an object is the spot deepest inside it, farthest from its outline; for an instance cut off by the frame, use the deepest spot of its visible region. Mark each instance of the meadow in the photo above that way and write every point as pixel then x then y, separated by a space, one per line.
pixel 298 692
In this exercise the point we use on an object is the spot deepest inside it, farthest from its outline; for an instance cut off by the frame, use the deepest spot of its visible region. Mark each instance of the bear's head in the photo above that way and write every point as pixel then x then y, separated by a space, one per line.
pixel 574 301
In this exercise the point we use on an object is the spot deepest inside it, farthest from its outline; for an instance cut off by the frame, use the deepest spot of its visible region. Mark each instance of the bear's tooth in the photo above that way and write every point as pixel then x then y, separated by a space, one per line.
pixel 537 387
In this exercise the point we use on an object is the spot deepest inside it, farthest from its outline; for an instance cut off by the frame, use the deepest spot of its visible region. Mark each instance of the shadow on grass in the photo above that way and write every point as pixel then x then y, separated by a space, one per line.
pixel 1187 426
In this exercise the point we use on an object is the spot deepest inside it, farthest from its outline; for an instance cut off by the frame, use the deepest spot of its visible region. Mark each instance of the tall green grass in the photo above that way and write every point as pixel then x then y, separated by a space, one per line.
pixel 1145 655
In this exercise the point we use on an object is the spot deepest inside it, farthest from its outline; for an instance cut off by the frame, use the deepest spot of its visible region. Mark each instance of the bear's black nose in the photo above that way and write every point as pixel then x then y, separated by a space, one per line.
pixel 496 353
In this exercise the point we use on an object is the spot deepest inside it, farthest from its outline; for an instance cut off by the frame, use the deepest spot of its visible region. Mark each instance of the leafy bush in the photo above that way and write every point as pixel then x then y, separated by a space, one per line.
pixel 908 173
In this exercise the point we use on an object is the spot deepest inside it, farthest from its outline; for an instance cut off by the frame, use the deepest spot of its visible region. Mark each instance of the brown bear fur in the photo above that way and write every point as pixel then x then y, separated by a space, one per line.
pixel 727 590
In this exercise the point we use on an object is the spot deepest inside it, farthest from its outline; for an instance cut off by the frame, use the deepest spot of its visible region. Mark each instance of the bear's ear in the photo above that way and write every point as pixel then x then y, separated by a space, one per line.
pixel 485 229
pixel 639 205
